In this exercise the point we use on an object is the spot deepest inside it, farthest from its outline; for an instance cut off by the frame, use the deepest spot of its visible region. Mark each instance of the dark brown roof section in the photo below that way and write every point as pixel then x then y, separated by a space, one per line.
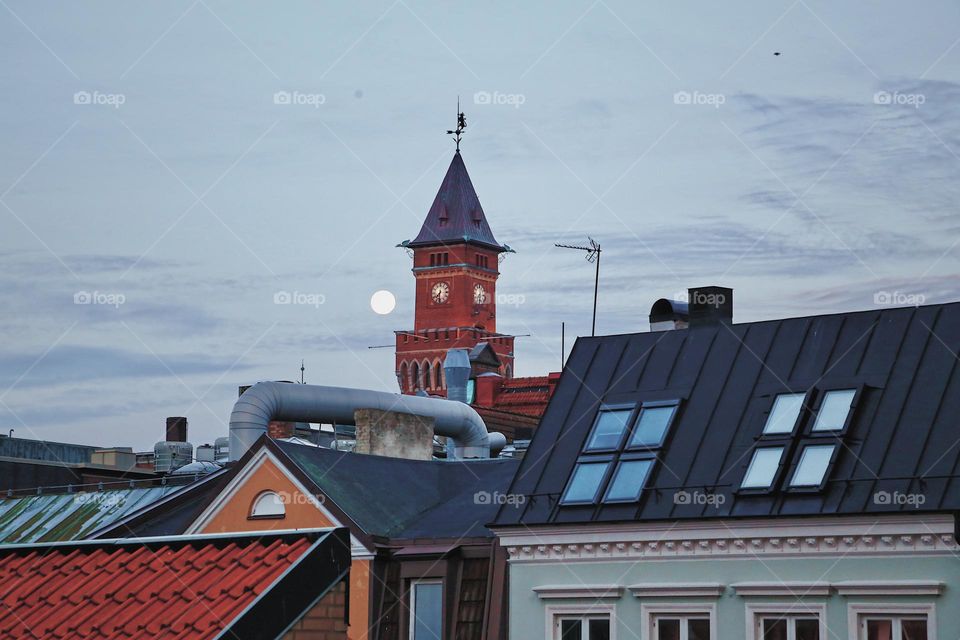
pixel 456 215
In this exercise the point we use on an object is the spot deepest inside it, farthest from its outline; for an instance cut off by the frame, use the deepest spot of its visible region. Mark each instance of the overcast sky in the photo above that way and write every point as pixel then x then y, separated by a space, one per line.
pixel 151 170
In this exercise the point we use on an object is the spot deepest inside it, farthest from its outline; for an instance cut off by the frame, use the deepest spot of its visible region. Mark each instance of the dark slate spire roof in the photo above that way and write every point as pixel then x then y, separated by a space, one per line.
pixel 456 214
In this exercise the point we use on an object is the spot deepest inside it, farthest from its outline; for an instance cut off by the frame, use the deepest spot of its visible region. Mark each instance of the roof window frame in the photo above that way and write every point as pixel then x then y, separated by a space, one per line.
pixel 791 470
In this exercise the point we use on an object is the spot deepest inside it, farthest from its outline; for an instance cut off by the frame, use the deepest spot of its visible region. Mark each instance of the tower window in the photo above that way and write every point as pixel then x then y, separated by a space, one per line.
pixel 446 258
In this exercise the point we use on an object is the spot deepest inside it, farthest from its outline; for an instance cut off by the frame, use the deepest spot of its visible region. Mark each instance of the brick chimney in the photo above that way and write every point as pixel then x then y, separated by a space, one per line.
pixel 487 388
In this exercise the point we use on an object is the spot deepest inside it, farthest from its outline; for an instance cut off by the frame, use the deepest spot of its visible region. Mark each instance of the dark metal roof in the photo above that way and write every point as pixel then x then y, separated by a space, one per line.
pixel 902 435
pixel 456 215
pixel 405 499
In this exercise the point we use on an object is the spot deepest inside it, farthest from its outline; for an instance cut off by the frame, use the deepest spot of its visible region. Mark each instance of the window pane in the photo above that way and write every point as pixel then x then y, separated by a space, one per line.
pixel 813 464
pixel 585 482
pixel 833 410
pixel 808 629
pixel 668 629
pixel 651 426
pixel 571 629
pixel 762 468
pixel 783 416
pixel 628 480
pixel 774 629
pixel 879 630
pixel 914 629
pixel 698 630
pixel 609 429
pixel 428 620
pixel 599 629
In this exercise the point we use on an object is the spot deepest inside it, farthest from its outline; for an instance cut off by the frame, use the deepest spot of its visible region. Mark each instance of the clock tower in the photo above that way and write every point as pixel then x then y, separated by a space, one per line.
pixel 456 266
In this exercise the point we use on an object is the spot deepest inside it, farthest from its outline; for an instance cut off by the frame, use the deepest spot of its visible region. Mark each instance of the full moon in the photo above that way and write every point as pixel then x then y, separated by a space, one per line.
pixel 383 302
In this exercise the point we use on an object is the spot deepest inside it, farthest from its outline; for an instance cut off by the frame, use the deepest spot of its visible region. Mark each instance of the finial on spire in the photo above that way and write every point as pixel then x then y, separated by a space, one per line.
pixel 461 125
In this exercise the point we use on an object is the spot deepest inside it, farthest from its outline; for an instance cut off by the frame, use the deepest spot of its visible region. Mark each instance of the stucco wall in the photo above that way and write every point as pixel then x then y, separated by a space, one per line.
pixel 528 611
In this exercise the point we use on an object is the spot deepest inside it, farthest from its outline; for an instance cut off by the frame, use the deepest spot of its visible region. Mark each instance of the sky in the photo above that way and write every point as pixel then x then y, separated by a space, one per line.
pixel 169 168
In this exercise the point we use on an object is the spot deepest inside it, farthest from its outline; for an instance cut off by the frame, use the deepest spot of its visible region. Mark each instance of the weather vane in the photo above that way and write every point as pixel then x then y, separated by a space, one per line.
pixel 461 125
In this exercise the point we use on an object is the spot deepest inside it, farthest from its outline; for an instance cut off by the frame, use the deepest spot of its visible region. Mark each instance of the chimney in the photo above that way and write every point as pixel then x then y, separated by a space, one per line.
pixel 176 429
pixel 710 305
pixel 487 389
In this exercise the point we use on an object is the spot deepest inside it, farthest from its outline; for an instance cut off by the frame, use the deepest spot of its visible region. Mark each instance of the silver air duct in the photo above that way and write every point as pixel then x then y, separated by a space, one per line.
pixel 456 369
pixel 266 401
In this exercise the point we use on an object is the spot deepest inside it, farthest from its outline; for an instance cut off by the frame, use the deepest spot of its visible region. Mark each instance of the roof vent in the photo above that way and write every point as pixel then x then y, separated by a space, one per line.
pixel 666 315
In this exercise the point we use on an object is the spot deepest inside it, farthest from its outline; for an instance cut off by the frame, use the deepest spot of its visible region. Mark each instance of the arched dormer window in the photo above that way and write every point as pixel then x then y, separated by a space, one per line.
pixel 427 383
pixel 415 370
pixel 438 375
pixel 404 382
pixel 268 504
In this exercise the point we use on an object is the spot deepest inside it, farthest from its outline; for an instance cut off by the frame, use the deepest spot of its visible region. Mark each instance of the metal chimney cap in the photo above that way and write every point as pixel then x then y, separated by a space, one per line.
pixel 456 359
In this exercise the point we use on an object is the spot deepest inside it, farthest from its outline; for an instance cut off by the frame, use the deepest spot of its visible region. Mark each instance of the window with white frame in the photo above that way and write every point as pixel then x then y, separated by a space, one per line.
pixel 788 627
pixel 268 504
pixel 581 626
pixel 426 609
pixel 671 626
pixel 887 627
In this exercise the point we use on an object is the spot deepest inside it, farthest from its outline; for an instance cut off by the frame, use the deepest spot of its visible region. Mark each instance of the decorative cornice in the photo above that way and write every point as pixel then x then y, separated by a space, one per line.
pixel 896 535
pixel 888 588
pixel 790 589
pixel 567 592
pixel 677 589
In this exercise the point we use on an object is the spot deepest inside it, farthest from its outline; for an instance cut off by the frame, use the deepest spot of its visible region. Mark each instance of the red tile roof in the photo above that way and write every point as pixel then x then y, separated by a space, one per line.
pixel 181 587
pixel 527 396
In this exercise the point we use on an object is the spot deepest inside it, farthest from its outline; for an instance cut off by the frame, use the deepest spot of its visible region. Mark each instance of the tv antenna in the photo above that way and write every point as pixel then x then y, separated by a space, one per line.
pixel 593 255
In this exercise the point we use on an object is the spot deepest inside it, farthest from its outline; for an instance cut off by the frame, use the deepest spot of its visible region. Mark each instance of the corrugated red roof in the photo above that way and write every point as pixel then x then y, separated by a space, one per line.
pixel 184 587
pixel 527 396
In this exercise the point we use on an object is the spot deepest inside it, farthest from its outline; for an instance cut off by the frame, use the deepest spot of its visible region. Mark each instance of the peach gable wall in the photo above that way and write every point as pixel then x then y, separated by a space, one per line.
pixel 301 513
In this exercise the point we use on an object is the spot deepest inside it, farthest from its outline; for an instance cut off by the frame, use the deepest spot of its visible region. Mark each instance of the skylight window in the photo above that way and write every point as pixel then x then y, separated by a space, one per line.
pixel 628 481
pixel 652 426
pixel 834 410
pixel 814 462
pixel 783 416
pixel 585 483
pixel 609 429
pixel 763 468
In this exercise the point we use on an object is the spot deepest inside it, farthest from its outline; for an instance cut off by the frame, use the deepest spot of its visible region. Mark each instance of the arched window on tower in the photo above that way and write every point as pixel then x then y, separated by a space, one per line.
pixel 415 380
pixel 438 376
pixel 426 376
pixel 509 372
pixel 404 382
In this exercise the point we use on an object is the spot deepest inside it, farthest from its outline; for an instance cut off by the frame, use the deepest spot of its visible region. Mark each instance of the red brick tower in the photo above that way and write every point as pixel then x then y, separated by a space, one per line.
pixel 455 263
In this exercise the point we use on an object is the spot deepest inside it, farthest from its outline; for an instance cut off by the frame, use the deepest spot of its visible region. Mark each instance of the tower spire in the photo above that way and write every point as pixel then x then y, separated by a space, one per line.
pixel 461 125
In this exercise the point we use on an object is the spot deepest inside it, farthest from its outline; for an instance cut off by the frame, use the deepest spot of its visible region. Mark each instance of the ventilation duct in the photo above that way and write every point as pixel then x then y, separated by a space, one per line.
pixel 266 401
pixel 456 371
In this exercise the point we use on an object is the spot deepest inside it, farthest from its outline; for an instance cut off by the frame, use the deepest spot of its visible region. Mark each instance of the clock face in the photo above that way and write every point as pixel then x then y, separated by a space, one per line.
pixel 479 294
pixel 440 292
